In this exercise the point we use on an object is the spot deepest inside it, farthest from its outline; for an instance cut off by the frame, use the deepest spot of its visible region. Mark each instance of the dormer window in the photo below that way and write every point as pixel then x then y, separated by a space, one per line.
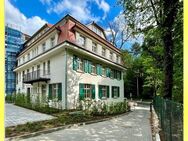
pixel 43 47
pixel 24 59
pixel 28 56
pixel 94 47
pixel 82 40
pixel 52 41
pixel 117 58
pixel 111 55
pixel 103 52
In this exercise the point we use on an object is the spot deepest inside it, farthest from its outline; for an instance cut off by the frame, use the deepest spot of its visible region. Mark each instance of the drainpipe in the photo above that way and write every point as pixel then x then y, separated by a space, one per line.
pixel 65 78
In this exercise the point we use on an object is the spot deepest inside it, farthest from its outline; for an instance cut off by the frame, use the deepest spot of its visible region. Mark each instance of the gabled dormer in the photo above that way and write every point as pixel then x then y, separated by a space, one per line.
pixel 97 29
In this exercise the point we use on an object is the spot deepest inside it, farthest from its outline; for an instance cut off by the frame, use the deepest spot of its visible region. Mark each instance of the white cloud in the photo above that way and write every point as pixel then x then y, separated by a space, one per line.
pixel 80 9
pixel 48 2
pixel 15 17
pixel 104 6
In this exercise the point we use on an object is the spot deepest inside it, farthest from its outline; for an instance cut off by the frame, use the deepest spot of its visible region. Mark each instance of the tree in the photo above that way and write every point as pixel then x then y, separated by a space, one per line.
pixel 118 32
pixel 143 15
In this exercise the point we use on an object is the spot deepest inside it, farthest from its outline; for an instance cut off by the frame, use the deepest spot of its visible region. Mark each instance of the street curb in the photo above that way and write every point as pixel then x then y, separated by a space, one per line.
pixel 62 127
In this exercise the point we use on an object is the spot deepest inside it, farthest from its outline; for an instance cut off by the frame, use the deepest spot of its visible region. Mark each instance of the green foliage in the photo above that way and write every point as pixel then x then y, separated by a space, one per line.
pixel 24 101
pixel 10 98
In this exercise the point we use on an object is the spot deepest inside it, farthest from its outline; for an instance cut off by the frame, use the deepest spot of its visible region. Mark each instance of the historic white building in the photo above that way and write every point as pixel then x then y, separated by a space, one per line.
pixel 70 61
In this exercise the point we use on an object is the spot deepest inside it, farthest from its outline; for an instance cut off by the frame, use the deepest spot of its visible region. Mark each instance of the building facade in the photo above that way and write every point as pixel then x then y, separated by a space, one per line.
pixel 14 40
pixel 68 62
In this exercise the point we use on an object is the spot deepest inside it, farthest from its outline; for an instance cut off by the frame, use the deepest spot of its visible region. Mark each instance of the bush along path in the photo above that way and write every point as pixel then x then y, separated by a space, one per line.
pixel 88 111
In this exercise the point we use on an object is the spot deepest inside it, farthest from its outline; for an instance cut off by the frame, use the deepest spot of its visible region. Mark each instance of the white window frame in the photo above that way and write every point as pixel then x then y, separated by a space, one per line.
pixel 82 40
pixel 87 90
pixel 80 65
pixel 103 51
pixel 94 47
pixel 43 47
pixel 52 41
pixel 93 69
pixel 111 56
pixel 104 91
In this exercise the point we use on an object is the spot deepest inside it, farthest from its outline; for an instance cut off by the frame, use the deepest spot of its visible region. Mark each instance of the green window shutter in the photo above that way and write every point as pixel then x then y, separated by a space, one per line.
pixel 100 91
pixel 108 92
pixel 85 66
pixel 50 92
pixel 75 62
pixel 118 91
pixel 112 91
pixel 81 95
pixel 109 72
pixel 89 66
pixel 59 91
pixel 93 91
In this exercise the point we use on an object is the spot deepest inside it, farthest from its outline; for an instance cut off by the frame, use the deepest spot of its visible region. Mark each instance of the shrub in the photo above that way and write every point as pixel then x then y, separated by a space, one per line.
pixel 93 107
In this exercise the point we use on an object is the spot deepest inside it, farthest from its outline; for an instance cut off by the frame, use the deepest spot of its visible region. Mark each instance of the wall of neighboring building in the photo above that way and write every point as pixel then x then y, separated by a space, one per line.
pixel 74 78
pixel 13 44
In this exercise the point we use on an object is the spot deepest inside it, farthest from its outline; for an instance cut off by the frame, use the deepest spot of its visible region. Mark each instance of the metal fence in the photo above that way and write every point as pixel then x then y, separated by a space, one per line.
pixel 170 114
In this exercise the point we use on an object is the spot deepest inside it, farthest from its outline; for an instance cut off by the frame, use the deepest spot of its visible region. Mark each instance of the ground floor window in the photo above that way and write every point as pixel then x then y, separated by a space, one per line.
pixel 86 91
pixel 103 91
pixel 55 91
pixel 115 91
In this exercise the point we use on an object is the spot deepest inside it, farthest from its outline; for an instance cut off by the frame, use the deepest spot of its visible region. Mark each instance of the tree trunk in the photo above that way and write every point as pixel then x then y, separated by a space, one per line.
pixel 170 12
pixel 168 64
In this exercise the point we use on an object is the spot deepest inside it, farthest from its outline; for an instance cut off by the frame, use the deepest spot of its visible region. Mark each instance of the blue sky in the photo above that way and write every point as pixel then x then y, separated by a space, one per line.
pixel 30 15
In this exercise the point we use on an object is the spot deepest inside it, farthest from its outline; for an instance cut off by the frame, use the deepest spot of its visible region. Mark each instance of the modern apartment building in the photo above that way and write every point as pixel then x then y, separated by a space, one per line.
pixel 14 40
pixel 69 61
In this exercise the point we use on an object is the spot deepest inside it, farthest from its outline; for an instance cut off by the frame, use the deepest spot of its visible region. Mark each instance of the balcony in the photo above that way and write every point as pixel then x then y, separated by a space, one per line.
pixel 36 76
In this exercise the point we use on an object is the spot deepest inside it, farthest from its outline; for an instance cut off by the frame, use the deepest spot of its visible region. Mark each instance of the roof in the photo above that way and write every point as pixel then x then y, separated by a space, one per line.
pixel 79 25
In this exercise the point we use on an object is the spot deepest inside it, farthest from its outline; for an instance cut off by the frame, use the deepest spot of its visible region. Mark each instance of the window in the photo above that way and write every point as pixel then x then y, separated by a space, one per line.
pixel 33 53
pixel 103 91
pixel 103 52
pixel 23 75
pixel 55 91
pixel 44 68
pixel 28 56
pixel 93 69
pixel 119 75
pixel 117 58
pixel 103 71
pixel 82 41
pixel 115 91
pixel 111 55
pixel 87 91
pixel 24 59
pixel 94 47
pixel 112 73
pixel 48 66
pixel 52 41
pixel 37 50
pixel 18 62
pixel 43 47
pixel 80 64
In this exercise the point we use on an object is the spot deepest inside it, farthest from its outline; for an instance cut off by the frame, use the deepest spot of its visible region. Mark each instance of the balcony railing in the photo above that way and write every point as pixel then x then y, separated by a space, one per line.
pixel 35 76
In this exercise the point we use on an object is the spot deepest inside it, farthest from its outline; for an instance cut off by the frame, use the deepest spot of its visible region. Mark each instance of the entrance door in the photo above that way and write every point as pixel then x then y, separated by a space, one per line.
pixel 28 95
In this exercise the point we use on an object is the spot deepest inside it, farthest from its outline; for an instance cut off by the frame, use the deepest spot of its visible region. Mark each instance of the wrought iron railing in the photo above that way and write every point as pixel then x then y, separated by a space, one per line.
pixel 35 75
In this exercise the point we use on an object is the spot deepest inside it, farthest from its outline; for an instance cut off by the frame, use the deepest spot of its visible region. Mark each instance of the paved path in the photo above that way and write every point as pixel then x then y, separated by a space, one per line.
pixel 132 127
pixel 17 115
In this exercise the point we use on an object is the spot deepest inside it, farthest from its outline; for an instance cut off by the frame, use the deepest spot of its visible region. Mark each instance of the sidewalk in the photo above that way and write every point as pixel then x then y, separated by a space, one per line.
pixel 132 127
